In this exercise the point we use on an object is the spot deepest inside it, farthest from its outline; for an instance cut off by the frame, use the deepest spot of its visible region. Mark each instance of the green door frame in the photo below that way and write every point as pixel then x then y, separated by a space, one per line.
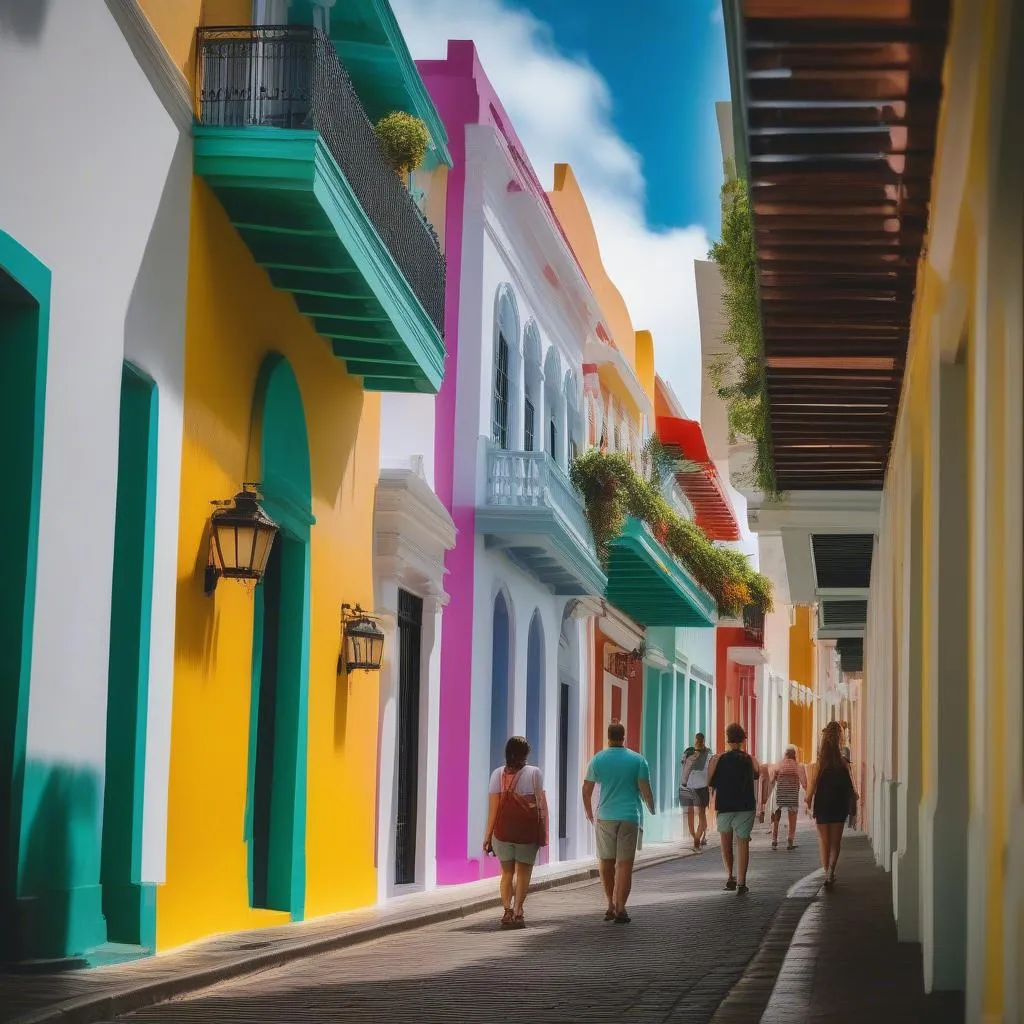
pixel 287 497
pixel 128 905
pixel 24 333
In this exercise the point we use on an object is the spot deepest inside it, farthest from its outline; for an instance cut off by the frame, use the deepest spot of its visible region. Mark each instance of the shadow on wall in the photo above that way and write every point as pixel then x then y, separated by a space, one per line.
pixel 23 19
pixel 59 896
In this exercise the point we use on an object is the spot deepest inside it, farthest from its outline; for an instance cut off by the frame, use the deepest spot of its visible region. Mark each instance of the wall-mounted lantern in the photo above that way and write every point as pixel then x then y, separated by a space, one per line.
pixel 363 640
pixel 241 537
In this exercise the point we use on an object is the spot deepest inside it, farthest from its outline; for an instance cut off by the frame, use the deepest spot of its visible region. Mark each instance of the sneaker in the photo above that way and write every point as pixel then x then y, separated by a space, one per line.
pixel 742 890
pixel 730 883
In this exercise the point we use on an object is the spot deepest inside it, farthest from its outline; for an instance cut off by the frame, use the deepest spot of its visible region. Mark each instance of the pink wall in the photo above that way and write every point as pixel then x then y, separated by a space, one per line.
pixel 463 96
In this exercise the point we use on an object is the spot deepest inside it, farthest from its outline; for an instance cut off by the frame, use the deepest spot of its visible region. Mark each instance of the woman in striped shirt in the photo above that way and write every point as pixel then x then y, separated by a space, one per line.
pixel 789 778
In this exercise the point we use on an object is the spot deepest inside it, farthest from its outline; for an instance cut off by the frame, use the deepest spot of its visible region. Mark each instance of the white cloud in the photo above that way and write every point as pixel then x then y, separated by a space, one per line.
pixel 561 109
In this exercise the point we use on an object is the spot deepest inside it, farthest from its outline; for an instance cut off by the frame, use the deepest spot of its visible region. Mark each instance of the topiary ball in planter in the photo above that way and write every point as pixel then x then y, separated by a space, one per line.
pixel 404 140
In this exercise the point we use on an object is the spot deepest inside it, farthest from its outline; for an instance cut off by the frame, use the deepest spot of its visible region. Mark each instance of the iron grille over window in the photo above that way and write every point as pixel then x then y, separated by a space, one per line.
pixel 499 429
pixel 289 76
pixel 753 624
pixel 528 426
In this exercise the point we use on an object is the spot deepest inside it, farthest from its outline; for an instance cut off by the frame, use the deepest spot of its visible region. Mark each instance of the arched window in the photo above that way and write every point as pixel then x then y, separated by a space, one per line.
pixel 533 382
pixel 554 407
pixel 535 687
pixel 506 362
pixel 501 678
pixel 574 427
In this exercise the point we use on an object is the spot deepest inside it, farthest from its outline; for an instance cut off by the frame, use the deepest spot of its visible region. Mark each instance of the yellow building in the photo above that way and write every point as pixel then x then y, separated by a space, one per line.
pixel 315 284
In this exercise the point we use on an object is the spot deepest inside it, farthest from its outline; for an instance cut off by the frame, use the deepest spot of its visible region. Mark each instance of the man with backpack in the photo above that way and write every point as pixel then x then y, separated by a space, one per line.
pixel 624 777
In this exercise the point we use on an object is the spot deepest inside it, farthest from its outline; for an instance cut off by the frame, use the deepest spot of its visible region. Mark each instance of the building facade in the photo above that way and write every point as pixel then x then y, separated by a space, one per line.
pixel 91 370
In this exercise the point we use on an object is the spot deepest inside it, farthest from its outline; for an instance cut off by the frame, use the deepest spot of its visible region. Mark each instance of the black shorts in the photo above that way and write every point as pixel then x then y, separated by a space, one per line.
pixel 694 797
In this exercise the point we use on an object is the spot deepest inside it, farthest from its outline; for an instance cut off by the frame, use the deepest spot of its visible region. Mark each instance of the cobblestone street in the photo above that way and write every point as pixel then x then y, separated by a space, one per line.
pixel 686 947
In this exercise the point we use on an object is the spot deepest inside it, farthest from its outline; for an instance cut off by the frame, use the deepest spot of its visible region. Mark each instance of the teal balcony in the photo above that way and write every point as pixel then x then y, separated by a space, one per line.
pixel 536 517
pixel 284 142
pixel 650 586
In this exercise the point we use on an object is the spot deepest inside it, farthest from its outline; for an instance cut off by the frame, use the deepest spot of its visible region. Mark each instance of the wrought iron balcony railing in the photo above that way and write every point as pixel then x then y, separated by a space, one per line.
pixel 289 76
pixel 534 480
pixel 753 625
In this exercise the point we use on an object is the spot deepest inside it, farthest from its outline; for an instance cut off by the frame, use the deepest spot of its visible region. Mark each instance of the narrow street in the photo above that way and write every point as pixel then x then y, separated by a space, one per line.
pixel 687 946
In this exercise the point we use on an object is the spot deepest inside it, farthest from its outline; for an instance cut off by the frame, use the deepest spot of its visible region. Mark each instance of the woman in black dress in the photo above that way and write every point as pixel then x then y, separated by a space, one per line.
pixel 829 796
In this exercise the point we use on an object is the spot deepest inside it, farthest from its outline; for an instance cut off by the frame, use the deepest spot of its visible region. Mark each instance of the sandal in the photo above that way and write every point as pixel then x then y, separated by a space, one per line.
pixel 742 890
pixel 609 915
pixel 519 921
pixel 791 845
pixel 622 917
pixel 730 883
pixel 775 844
pixel 507 919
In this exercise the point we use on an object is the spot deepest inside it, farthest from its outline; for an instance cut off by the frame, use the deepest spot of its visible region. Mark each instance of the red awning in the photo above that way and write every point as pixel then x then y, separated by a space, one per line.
pixel 698 478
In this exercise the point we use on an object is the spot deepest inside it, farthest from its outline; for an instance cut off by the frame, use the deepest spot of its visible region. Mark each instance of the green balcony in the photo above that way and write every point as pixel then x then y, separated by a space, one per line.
pixel 285 144
pixel 650 586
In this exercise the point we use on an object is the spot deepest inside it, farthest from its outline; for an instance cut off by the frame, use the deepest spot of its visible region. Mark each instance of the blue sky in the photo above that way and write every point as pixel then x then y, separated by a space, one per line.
pixel 628 100
pixel 665 70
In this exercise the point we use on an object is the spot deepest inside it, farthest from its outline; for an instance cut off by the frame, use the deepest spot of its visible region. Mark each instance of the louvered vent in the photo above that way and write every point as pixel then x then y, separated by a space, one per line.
pixel 843 614
pixel 851 654
pixel 842 560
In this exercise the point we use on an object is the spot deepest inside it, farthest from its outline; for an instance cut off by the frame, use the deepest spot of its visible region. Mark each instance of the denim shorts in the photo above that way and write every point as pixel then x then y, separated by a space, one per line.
pixel 740 822
pixel 521 853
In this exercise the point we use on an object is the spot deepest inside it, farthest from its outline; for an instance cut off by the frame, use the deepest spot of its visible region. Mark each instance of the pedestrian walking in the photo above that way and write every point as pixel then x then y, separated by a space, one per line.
pixel 625 778
pixel 788 778
pixel 516 826
pixel 830 795
pixel 732 776
pixel 694 795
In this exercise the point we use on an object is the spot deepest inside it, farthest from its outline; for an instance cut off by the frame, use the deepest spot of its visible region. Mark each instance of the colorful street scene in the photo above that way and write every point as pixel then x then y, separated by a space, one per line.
pixel 514 510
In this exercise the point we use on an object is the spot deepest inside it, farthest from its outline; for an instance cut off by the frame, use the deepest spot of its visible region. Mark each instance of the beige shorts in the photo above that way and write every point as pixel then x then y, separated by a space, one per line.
pixel 617 840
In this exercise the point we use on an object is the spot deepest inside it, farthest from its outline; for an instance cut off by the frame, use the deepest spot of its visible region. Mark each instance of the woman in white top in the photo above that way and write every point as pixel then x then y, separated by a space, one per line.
pixel 693 790
pixel 516 826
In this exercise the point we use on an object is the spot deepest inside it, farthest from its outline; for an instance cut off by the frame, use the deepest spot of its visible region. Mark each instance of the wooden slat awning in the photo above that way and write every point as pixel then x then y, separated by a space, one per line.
pixel 698 478
pixel 836 104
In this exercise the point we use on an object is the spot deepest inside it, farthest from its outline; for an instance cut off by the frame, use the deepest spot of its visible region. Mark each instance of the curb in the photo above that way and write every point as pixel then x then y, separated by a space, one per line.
pixel 103 1006
pixel 750 997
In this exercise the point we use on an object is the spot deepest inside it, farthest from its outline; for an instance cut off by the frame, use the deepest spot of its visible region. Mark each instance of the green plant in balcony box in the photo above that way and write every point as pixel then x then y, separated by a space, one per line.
pixel 403 139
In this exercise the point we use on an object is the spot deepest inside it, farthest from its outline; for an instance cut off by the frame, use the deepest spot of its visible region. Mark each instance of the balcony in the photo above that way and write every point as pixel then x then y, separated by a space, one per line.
pixel 753 626
pixel 650 586
pixel 283 140
pixel 535 516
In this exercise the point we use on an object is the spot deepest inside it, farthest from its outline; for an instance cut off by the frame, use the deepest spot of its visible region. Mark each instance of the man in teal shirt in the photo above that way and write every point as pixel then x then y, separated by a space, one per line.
pixel 624 778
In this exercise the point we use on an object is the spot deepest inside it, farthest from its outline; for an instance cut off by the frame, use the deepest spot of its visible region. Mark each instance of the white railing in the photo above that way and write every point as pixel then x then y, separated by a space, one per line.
pixel 534 480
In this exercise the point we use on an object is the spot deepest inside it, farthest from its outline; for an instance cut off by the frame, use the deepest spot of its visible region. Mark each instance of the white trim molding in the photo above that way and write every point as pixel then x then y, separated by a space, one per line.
pixel 164 75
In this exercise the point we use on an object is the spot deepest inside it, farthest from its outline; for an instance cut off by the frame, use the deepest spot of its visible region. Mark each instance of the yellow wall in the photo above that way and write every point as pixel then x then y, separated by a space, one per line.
pixel 235 318
pixel 571 209
pixel 802 652
pixel 175 23
pixel 645 363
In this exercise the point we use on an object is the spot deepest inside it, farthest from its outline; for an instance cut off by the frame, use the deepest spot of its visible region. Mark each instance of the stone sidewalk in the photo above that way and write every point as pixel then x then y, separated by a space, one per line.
pixel 687 946
pixel 95 995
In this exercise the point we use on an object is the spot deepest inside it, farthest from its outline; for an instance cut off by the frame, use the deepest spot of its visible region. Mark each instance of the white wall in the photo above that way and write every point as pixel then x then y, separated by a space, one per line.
pixel 95 182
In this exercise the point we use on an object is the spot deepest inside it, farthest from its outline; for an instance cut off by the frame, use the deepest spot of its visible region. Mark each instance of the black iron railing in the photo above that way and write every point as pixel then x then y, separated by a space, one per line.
pixel 753 624
pixel 289 76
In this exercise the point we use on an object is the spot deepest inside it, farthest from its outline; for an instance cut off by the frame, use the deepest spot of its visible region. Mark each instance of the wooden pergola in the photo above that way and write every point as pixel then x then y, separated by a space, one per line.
pixel 836 104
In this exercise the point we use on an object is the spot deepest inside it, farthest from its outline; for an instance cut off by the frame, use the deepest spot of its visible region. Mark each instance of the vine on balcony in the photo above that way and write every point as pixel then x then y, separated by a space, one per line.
pixel 738 375
pixel 612 491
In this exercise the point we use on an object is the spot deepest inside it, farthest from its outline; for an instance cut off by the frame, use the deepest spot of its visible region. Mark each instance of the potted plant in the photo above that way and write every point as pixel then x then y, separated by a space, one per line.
pixel 403 140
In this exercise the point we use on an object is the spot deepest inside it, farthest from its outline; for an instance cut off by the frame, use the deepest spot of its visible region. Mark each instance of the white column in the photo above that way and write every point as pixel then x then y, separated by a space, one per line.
pixel 386 600
pixel 548 757
pixel 430 723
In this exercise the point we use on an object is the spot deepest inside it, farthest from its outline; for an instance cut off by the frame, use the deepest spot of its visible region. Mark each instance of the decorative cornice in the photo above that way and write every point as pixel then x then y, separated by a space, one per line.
pixel 164 75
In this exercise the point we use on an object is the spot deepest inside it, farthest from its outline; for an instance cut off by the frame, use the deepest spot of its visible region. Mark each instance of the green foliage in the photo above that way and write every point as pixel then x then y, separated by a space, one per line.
pixel 612 490
pixel 404 140
pixel 738 376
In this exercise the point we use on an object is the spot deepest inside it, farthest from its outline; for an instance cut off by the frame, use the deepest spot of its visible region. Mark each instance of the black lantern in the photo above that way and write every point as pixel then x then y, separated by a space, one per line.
pixel 364 640
pixel 241 536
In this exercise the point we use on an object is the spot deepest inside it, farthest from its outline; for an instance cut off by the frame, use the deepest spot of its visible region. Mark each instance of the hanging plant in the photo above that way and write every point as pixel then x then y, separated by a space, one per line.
pixel 403 139
pixel 738 375
pixel 612 491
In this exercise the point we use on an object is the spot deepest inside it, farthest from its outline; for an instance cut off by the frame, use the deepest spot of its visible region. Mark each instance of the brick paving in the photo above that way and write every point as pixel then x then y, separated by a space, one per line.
pixel 687 946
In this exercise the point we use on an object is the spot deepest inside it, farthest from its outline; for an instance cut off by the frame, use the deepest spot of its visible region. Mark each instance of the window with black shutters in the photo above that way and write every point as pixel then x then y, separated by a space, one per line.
pixel 529 414
pixel 499 426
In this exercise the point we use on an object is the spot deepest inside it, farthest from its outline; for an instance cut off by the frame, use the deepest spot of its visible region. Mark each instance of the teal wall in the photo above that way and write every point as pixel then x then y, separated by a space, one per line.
pixel 129 905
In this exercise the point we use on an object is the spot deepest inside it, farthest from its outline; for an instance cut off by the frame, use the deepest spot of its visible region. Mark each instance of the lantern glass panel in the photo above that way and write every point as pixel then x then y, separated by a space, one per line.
pixel 376 653
pixel 245 540
pixel 263 543
pixel 225 546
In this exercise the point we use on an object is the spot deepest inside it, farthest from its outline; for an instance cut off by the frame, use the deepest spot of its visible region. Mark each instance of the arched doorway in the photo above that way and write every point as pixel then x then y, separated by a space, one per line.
pixel 280 664
pixel 535 689
pixel 501 671
pixel 24 326
pixel 569 726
